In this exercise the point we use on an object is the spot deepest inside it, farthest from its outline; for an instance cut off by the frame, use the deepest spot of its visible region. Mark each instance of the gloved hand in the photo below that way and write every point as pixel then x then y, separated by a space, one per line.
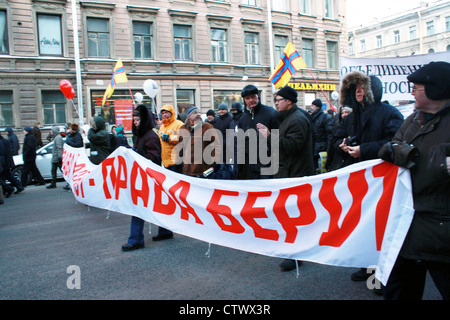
pixel 165 137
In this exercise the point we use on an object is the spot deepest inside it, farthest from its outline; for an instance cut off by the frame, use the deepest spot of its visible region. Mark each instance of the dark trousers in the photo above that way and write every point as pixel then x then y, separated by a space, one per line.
pixel 407 279
pixel 7 176
pixel 55 166
pixel 136 231
pixel 30 167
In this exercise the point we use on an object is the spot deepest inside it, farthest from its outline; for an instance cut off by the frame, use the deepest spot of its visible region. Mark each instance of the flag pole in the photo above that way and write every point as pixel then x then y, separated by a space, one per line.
pixel 320 87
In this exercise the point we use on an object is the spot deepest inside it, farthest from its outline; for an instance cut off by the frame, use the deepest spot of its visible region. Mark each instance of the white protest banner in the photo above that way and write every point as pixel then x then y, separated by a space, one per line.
pixel 391 71
pixel 354 217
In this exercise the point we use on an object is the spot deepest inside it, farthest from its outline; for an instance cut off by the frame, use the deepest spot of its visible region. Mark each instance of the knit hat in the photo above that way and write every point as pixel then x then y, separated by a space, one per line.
pixel 317 103
pixel 211 113
pixel 236 106
pixel 190 110
pixel 27 129
pixel 223 106
pixel 435 76
pixel 289 93
pixel 119 129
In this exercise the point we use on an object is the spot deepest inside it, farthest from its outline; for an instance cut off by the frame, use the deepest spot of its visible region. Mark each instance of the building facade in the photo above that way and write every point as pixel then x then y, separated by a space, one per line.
pixel 422 30
pixel 199 52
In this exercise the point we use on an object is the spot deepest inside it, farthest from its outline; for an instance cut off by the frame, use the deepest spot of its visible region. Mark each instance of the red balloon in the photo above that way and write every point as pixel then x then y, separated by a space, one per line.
pixel 66 87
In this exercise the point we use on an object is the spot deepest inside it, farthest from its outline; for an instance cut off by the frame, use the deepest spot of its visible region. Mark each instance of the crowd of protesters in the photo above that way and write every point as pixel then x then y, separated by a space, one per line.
pixel 364 128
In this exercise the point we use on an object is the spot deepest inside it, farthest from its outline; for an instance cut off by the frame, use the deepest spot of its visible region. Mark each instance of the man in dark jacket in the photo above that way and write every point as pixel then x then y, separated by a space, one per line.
pixel 294 144
pixel 371 124
pixel 6 164
pixel 145 142
pixel 222 123
pixel 321 130
pixel 98 137
pixel 423 145
pixel 363 132
pixel 13 142
pixel 29 158
pixel 255 114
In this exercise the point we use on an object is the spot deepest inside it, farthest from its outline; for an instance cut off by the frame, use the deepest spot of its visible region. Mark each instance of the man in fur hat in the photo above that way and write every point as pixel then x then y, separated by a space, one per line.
pixel 363 132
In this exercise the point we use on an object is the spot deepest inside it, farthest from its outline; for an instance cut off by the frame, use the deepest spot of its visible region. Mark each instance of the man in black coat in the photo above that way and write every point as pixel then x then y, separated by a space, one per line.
pixel 322 130
pixel 423 145
pixel 256 116
pixel 222 123
pixel 363 132
pixel 29 158
pixel 294 144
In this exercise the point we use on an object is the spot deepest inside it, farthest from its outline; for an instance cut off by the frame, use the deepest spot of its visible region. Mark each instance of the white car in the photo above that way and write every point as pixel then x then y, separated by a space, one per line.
pixel 43 162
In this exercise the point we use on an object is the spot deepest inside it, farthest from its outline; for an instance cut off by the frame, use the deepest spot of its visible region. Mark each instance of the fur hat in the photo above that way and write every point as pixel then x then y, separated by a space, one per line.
pixel 435 76
pixel 348 87
pixel 289 93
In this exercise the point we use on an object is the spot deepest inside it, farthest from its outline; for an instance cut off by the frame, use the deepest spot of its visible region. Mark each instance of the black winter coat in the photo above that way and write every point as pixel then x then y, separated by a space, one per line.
pixel 373 125
pixel 74 140
pixel 322 132
pixel 261 114
pixel 29 148
pixel 429 235
pixel 295 145
pixel 98 137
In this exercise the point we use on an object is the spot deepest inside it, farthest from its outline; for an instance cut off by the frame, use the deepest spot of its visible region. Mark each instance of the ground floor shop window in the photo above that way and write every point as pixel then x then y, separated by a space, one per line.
pixel 118 108
pixel 228 97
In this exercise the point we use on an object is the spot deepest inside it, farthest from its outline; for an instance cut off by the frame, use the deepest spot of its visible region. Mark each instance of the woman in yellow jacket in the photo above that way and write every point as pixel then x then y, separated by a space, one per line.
pixel 168 134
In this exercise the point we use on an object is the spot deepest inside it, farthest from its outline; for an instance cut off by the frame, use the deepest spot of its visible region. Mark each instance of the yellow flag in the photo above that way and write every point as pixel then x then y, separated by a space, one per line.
pixel 290 62
pixel 119 76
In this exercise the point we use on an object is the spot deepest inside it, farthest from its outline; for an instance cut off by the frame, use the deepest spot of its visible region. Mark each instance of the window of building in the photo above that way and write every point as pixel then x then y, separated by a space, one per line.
pixel 4 48
pixel 142 40
pixel 185 99
pixel 6 109
pixel 351 50
pixel 412 33
pixel 332 54
pixel 280 43
pixel 98 37
pixel 305 7
pixel 219 45
pixel 329 9
pixel 54 104
pixel 279 5
pixel 362 44
pixel 430 28
pixel 379 41
pixel 49 34
pixel 249 2
pixel 447 23
pixel 183 42
pixel 251 47
pixel 228 97
pixel 308 52
pixel 396 36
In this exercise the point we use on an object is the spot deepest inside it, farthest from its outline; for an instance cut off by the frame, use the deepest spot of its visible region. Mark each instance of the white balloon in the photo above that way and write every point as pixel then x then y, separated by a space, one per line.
pixel 150 88
pixel 335 95
pixel 138 97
